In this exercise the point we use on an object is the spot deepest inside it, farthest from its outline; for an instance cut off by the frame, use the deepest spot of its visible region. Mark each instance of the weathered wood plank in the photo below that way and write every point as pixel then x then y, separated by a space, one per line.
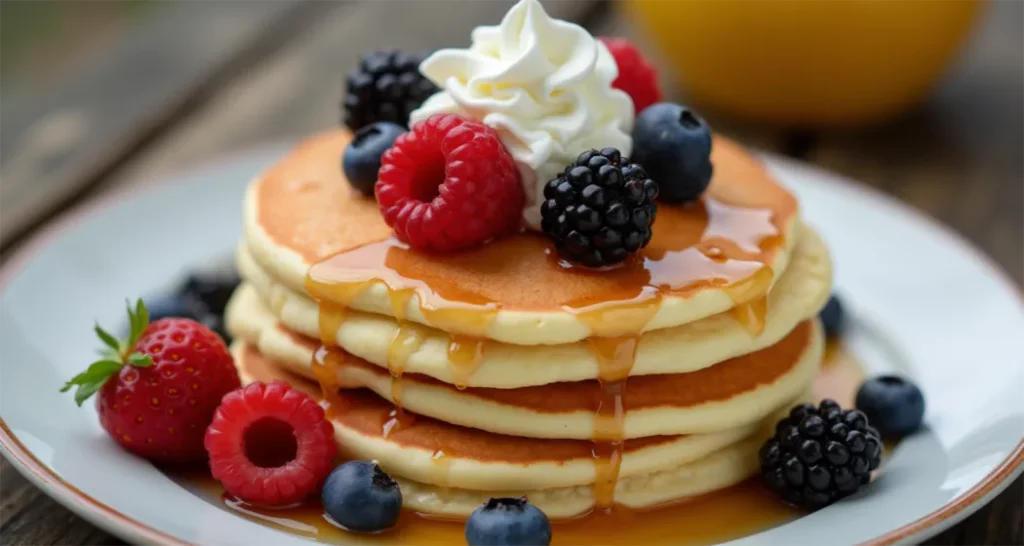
pixel 299 91
pixel 57 144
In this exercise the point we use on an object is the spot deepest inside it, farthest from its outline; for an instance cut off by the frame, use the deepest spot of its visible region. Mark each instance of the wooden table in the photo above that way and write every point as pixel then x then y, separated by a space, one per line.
pixel 160 99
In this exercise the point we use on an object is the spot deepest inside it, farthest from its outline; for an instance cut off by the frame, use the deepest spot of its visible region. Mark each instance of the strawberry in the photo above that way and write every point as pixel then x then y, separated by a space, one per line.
pixel 158 391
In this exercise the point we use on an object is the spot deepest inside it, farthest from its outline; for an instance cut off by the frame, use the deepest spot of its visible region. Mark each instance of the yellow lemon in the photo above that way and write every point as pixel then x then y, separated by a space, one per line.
pixel 806 62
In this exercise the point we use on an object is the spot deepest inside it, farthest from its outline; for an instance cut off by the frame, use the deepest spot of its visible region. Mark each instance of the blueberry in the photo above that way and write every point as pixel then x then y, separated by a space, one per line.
pixel 508 522
pixel 361 497
pixel 673 144
pixel 213 290
pixel 893 405
pixel 833 317
pixel 362 156
pixel 166 306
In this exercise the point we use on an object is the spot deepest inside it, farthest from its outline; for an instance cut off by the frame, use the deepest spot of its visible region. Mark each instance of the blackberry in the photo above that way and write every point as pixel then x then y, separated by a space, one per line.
pixel 820 455
pixel 387 87
pixel 600 209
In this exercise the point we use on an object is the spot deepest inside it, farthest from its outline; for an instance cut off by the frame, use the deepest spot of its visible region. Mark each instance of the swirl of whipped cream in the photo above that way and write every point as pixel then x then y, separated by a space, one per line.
pixel 545 85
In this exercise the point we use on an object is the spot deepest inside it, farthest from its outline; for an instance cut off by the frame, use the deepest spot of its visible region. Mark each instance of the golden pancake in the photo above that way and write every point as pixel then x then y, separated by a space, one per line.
pixel 429 451
pixel 732 393
pixel 309 230
pixel 408 348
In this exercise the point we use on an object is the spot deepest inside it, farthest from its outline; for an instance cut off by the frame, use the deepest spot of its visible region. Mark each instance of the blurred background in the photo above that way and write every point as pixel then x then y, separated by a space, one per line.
pixel 920 99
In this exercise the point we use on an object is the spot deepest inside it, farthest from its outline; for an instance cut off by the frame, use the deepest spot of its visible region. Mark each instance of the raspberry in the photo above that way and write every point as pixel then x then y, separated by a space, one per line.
pixel 637 76
pixel 270 444
pixel 449 184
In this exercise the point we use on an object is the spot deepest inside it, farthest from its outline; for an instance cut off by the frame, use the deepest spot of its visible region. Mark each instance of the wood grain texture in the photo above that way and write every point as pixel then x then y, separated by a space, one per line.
pixel 298 90
pixel 59 144
pixel 958 158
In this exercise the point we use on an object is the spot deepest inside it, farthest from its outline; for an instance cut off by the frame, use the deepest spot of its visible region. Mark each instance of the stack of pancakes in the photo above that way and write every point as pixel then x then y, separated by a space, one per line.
pixel 501 371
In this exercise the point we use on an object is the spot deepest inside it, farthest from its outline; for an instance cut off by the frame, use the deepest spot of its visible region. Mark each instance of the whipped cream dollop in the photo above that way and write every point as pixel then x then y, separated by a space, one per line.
pixel 545 85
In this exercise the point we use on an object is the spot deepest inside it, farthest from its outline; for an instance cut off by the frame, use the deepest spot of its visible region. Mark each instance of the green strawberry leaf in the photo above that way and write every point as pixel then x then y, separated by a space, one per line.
pixel 92 379
pixel 85 391
pixel 105 353
pixel 113 355
pixel 108 340
pixel 140 360
pixel 138 319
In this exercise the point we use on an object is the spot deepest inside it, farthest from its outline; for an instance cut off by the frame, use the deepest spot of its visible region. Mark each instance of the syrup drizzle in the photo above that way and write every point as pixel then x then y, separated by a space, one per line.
pixel 710 244
pixel 615 357
pixel 720 516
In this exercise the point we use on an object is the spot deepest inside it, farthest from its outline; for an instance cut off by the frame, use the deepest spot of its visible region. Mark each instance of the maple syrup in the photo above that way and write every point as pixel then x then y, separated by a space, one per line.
pixel 720 516
pixel 615 357
pixel 706 244
pixel 464 356
pixel 727 240
pixel 710 243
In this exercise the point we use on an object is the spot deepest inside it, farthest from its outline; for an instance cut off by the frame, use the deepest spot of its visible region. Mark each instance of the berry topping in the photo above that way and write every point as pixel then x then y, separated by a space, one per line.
pixel 637 76
pixel 894 405
pixel 387 87
pixel 820 455
pixel 158 391
pixel 362 155
pixel 674 144
pixel 449 184
pixel 205 296
pixel 270 444
pixel 168 306
pixel 832 316
pixel 508 522
pixel 600 209
pixel 359 496
pixel 202 298
pixel 212 289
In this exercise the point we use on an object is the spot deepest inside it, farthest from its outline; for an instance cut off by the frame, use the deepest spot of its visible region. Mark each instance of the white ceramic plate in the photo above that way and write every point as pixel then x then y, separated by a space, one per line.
pixel 923 300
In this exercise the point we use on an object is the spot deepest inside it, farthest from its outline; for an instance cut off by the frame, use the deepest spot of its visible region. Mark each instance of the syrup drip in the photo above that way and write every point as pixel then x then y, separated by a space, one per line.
pixel 750 299
pixel 720 516
pixel 615 357
pixel 327 363
pixel 405 342
pixel 398 419
pixel 464 357
pixel 443 465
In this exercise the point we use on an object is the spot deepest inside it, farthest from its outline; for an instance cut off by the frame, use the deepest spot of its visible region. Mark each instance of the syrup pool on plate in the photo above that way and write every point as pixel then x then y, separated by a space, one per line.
pixel 724 515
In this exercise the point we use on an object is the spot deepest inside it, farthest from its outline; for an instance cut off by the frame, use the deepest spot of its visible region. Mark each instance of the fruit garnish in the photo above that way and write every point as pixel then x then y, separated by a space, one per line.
pixel 833 317
pixel 508 522
pixel 893 404
pixel 386 87
pixel 449 184
pixel 202 298
pixel 819 455
pixel 363 154
pixel 637 76
pixel 600 209
pixel 361 497
pixel 158 390
pixel 270 444
pixel 674 144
